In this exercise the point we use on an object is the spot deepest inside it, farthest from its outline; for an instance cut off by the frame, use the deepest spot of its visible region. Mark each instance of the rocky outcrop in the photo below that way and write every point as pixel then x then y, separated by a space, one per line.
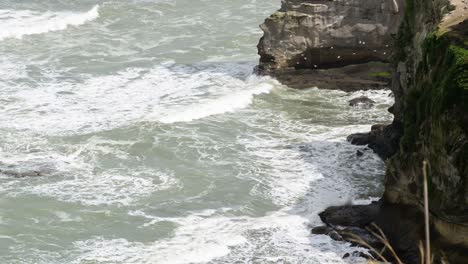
pixel 382 139
pixel 310 34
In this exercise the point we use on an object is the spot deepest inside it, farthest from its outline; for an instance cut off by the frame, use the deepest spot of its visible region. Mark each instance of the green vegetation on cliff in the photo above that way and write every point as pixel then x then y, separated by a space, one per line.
pixel 431 88
pixel 441 85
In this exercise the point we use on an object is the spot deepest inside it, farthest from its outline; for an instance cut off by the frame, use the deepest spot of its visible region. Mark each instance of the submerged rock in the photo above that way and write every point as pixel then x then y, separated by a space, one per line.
pixel 362 101
pixel 321 230
pixel 22 169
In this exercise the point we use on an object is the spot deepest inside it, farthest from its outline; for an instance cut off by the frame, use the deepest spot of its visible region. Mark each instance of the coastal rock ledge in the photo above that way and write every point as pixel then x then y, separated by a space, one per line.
pixel 323 34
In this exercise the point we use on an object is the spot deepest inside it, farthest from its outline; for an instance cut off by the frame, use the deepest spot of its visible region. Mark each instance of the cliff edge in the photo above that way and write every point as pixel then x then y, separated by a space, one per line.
pixel 427 48
pixel 430 84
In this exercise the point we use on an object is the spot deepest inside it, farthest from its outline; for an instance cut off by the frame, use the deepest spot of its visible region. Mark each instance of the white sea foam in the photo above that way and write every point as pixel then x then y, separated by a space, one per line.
pixel 304 153
pixel 224 104
pixel 167 93
pixel 66 217
pixel 208 236
pixel 285 174
pixel 112 187
pixel 170 135
pixel 78 178
pixel 20 23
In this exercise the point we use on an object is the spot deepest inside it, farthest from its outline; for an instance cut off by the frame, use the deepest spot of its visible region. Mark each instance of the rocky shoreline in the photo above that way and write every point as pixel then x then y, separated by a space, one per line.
pixel 359 45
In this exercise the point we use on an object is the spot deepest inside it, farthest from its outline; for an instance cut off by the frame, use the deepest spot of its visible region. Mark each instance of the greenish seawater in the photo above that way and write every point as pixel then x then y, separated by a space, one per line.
pixel 156 144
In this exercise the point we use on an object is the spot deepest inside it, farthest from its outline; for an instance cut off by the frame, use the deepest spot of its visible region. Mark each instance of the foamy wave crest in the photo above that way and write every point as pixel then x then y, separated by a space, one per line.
pixel 16 24
pixel 209 237
pixel 167 93
pixel 225 104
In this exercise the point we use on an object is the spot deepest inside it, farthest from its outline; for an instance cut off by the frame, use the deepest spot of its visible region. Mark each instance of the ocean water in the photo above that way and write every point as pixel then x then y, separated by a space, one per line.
pixel 144 137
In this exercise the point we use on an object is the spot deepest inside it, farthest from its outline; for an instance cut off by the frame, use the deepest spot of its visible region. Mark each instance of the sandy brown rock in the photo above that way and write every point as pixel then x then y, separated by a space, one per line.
pixel 327 34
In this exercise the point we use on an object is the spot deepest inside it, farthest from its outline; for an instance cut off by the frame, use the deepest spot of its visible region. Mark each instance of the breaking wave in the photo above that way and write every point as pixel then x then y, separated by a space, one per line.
pixel 20 23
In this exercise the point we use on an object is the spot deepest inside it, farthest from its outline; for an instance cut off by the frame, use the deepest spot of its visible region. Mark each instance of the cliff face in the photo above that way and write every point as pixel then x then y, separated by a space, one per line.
pixel 431 91
pixel 429 81
pixel 324 34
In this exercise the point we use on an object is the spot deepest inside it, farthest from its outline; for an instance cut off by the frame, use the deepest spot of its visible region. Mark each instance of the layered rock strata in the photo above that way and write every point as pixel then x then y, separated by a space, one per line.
pixel 310 34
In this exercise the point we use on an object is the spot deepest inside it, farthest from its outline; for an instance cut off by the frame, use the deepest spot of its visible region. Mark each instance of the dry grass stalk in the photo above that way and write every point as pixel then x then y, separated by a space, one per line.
pixel 426 215
pixel 421 251
pixel 424 249
pixel 358 240
pixel 381 236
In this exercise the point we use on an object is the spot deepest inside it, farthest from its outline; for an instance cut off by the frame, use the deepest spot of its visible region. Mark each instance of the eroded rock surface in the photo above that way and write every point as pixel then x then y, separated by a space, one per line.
pixel 327 34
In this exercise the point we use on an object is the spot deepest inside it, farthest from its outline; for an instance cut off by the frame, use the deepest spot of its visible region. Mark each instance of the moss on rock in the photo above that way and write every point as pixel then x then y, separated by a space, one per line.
pixel 431 87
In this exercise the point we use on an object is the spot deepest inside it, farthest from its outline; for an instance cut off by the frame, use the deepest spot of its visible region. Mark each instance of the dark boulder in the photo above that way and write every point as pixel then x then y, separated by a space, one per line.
pixel 350 215
pixel 321 230
pixel 362 101
pixel 382 139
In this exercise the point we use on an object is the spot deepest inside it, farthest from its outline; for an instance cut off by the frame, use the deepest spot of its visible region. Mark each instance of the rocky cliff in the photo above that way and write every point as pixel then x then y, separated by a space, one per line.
pixel 328 34
pixel 351 39
pixel 429 66
pixel 430 84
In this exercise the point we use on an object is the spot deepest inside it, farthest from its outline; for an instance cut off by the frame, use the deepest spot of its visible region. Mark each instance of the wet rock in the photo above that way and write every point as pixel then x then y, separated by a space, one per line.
pixel 357 254
pixel 335 236
pixel 359 138
pixel 359 153
pixel 361 254
pixel 362 101
pixel 349 78
pixel 321 230
pixel 382 139
pixel 350 215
